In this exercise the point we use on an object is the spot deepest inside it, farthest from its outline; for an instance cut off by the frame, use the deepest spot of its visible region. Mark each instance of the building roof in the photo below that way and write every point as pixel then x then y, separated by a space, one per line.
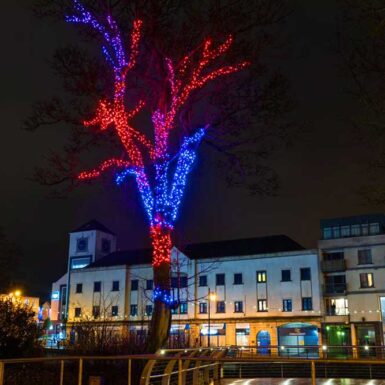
pixel 240 247
pixel 353 220
pixel 218 249
pixel 93 225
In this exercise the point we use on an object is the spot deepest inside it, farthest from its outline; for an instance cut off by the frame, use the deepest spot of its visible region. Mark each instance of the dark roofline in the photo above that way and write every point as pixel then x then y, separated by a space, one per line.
pixel 218 249
pixel 93 224
pixel 352 220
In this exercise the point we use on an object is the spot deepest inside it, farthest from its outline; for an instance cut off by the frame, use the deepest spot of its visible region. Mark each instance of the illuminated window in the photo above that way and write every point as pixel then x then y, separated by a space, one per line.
pixel 262 305
pixel 261 276
pixel 183 308
pixel 79 263
pixel 366 280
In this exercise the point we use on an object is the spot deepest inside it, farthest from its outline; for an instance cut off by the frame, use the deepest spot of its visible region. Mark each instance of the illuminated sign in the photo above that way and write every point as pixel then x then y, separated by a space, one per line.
pixel 55 295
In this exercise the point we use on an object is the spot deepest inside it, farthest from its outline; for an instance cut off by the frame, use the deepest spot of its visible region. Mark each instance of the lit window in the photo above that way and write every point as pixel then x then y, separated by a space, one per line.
pixel 261 276
pixel 262 305
pixel 79 263
pixel 366 280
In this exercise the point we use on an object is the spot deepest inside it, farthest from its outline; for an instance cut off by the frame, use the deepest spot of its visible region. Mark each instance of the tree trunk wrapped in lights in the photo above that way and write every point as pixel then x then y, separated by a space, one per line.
pixel 160 166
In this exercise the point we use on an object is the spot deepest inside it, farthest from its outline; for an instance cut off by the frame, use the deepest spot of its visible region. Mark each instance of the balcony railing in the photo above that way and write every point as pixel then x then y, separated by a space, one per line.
pixel 338 288
pixel 333 265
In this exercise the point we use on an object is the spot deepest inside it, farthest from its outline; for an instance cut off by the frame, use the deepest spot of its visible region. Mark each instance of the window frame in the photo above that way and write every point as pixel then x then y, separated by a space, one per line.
pixel 132 307
pixel 77 312
pixel 203 308
pixel 263 278
pixel 302 273
pixel 286 280
pixel 113 288
pixel 222 275
pixel 359 257
pixel 136 285
pixel 96 314
pixel 307 300
pixel 202 277
pixel 218 305
pixel 97 283
pixel 237 281
pixel 149 284
pixel 285 302
pixel 79 285
pixel 263 308
pixel 367 286
pixel 238 307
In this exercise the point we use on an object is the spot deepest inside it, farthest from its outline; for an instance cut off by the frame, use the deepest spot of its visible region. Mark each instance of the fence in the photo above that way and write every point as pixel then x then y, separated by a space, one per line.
pixel 179 367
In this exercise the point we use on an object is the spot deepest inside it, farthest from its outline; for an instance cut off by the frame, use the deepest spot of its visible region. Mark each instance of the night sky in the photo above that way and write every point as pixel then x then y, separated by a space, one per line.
pixel 319 174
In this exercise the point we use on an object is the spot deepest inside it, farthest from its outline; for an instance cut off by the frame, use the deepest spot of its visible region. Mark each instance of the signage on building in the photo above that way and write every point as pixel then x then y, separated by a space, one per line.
pixel 55 295
pixel 215 329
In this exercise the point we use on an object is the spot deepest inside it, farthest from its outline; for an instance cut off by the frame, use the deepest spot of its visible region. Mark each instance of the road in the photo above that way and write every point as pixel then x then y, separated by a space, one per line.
pixel 302 381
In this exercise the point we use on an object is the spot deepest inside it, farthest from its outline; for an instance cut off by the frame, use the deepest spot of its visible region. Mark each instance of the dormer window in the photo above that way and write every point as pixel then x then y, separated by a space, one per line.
pixel 82 244
pixel 106 246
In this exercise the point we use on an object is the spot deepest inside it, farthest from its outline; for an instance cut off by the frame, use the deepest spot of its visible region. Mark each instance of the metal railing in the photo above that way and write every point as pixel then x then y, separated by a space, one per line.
pixel 181 367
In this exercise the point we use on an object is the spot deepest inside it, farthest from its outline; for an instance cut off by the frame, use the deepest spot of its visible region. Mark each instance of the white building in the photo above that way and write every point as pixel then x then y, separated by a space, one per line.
pixel 352 254
pixel 267 289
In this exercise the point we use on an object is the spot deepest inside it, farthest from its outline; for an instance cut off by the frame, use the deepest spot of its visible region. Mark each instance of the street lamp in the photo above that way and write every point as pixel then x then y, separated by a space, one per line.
pixel 211 297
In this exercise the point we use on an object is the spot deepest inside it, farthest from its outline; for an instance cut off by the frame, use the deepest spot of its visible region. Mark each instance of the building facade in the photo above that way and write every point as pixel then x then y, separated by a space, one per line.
pixel 260 291
pixel 352 254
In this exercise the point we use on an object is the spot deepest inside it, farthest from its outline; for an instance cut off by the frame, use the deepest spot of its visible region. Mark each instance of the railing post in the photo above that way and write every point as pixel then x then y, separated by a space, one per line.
pixel 61 372
pixel 2 365
pixel 180 376
pixel 313 374
pixel 80 376
pixel 129 372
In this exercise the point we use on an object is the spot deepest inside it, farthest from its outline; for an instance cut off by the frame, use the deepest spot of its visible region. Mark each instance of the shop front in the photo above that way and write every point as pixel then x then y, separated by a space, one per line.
pixel 179 336
pixel 337 340
pixel 242 334
pixel 368 336
pixel 213 334
pixel 298 339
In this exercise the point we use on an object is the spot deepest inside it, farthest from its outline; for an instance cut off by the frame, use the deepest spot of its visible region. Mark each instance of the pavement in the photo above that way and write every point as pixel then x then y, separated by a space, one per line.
pixel 301 381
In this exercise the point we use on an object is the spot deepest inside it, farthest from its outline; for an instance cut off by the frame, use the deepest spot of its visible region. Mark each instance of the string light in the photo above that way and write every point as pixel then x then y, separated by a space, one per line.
pixel 162 195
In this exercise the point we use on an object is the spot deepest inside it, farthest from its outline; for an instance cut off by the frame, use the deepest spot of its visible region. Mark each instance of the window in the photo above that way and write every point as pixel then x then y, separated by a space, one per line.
pixel 221 307
pixel 96 311
pixel 261 276
pixel 366 280
pixel 336 232
pixel 285 275
pixel 174 310
pixel 220 280
pixel 327 233
pixel 345 231
pixel 134 285
pixel 79 288
pixel 203 280
pixel 97 287
pixel 262 305
pixel 183 308
pixel 337 306
pixel 81 244
pixel 203 307
pixel 79 263
pixel 115 285
pixel 238 279
pixel 179 282
pixel 134 310
pixel 287 305
pixel 356 230
pixel 374 228
pixel 114 311
pixel 106 245
pixel 307 303
pixel 148 310
pixel 78 312
pixel 238 307
pixel 305 274
pixel 149 284
pixel 364 257
pixel 365 229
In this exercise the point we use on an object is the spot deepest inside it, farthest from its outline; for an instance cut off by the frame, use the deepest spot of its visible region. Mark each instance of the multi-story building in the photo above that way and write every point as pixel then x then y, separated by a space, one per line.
pixel 259 291
pixel 352 253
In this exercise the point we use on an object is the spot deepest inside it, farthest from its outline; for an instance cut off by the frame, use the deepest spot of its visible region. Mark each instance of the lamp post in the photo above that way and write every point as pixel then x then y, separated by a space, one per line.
pixel 211 297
